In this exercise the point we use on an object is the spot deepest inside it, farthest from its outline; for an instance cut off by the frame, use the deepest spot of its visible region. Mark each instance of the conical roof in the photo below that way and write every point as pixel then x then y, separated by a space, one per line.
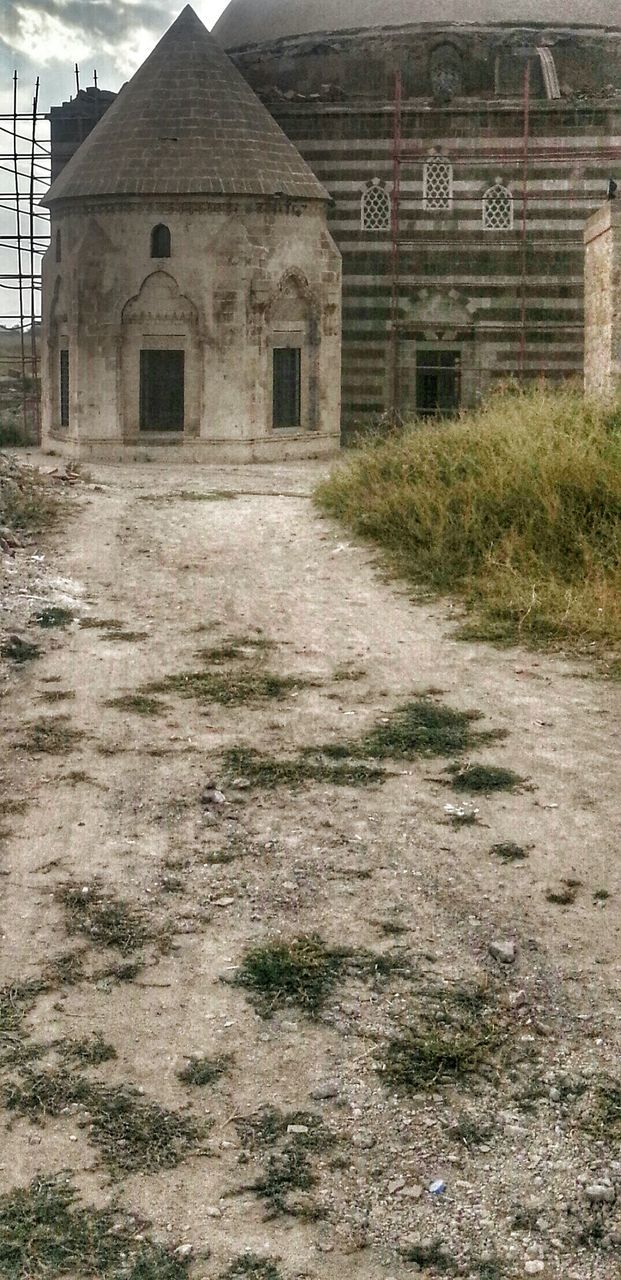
pixel 187 123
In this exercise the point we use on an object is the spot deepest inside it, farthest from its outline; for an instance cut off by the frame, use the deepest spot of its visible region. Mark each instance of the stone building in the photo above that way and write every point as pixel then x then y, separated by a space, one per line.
pixel 602 277
pixel 191 292
pixel 459 215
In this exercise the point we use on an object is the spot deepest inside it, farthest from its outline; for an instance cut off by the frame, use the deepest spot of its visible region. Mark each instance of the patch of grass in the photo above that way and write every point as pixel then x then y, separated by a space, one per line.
pixel 302 972
pixel 57 695
pixel 203 1071
pixel 53 616
pixel 237 687
pixel 106 920
pixel 471 1131
pixel 509 851
pixel 286 1172
pixel 347 672
pixel 483 778
pixel 89 1051
pixel 46 1232
pixel 601 895
pixel 19 651
pixel 424 728
pixel 29 500
pixel 11 807
pixel 515 508
pixel 50 736
pixel 132 1133
pixel 269 772
pixel 269 1127
pixel 565 894
pixel 138 702
pixel 249 1266
pixel 236 648
pixel 604 1119
pixel 76 776
pixel 130 636
pixel 457 1036
pixel 101 624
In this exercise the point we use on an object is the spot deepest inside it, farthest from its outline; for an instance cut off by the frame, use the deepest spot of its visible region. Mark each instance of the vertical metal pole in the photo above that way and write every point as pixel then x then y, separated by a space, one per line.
pixel 395 262
pixel 525 166
pixel 77 78
pixel 34 361
pixel 20 278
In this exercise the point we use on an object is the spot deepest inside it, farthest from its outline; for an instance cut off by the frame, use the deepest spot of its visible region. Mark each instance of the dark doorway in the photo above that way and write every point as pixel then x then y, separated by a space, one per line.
pixel 438 383
pixel 162 377
pixel 64 388
pixel 287 387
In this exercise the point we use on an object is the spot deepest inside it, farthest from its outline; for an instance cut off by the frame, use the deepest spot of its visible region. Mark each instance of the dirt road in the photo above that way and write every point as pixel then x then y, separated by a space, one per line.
pixel 159 564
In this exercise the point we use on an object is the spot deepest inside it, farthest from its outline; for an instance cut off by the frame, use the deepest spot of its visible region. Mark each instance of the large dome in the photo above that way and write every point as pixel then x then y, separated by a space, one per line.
pixel 247 22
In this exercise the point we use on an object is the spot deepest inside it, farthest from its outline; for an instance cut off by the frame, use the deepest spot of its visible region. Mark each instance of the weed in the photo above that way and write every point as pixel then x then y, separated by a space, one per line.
pixel 57 695
pixel 231 688
pixel 138 702
pixel 347 672
pixel 458 1033
pixel 269 772
pixel 471 1131
pixel 46 1232
pixel 50 736
pixel 203 1071
pixel 605 1116
pixel 424 728
pixel 565 895
pixel 484 777
pixel 601 895
pixel 76 776
pixel 509 851
pixel 250 1267
pixel 28 500
pixel 132 637
pixel 106 920
pixel 90 1051
pixel 19 651
pixel 53 616
pixel 236 648
pixel 132 1134
pixel 286 1171
pixel 101 624
pixel 300 972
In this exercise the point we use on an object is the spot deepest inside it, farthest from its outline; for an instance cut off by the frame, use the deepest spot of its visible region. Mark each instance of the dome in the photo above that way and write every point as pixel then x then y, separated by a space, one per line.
pixel 248 22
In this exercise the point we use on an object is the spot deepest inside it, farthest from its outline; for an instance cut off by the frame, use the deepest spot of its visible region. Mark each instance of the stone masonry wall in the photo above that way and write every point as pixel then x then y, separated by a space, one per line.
pixel 602 335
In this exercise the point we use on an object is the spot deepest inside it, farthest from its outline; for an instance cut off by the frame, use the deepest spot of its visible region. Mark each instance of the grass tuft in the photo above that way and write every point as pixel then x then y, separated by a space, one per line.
pixel 29 501
pixel 515 507
pixel 484 777
pixel 106 920
pixel 249 1266
pixel 53 616
pixel 89 1051
pixel 138 702
pixel 203 1071
pixel 51 735
pixel 302 972
pixel 269 772
pixel 456 1037
pixel 235 687
pixel 19 651
pixel 425 728
pixel 509 851
pixel 45 1232
pixel 270 1126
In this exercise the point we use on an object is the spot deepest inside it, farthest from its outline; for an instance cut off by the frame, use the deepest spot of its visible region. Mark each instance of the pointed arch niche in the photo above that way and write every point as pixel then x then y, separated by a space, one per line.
pixel 160 363
pixel 293 357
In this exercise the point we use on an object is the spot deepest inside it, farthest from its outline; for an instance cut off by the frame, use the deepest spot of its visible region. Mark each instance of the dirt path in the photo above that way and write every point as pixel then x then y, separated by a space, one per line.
pixel 381 869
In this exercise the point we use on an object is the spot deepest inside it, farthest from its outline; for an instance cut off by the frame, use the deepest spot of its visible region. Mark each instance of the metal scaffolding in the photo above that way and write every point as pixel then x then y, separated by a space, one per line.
pixel 24 237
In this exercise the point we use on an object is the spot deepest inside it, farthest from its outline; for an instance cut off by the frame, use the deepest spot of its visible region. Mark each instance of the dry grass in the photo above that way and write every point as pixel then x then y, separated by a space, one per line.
pixel 515 508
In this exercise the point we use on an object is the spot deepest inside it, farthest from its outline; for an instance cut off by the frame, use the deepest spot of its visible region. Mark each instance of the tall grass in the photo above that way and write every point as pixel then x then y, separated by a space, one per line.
pixel 515 507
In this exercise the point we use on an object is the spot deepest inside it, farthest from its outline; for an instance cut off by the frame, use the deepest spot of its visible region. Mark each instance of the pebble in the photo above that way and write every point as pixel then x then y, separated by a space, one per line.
pixel 598 1193
pixel 364 1141
pixel 329 1089
pixel 212 1211
pixel 534 1268
pixel 184 1251
pixel 503 951
pixel 297 1128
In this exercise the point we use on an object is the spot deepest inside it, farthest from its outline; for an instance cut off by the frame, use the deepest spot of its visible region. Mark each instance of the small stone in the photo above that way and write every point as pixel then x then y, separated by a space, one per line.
pixel 534 1268
pixel 397 1184
pixel 599 1193
pixel 329 1089
pixel 555 1094
pixel 184 1251
pixel 224 902
pixel 213 1211
pixel 503 951
pixel 517 999
pixel 414 1192
pixel 241 784
pixel 364 1141
pixel 297 1128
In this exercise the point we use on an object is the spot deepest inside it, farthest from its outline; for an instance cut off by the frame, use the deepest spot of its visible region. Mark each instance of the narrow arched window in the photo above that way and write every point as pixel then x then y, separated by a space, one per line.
pixel 375 208
pixel 438 185
pixel 497 209
pixel 59 246
pixel 160 241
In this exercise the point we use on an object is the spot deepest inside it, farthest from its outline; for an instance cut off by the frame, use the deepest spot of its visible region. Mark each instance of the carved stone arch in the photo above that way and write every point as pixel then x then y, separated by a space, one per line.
pixel 293 320
pixel 159 299
pixel 159 318
pixel 293 299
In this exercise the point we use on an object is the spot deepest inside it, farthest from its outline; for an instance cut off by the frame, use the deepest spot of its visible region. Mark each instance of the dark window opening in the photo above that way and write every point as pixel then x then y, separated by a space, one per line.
pixel 59 246
pixel 162 390
pixel 287 386
pixel 160 242
pixel 438 383
pixel 64 388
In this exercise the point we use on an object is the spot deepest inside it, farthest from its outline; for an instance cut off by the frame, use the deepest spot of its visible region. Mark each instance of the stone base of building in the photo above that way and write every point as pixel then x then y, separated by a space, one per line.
pixel 291 448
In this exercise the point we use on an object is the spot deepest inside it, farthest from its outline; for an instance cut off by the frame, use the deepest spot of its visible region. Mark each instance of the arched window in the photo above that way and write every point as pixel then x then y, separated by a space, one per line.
pixel 438 185
pixel 497 209
pixel 160 241
pixel 59 246
pixel 376 208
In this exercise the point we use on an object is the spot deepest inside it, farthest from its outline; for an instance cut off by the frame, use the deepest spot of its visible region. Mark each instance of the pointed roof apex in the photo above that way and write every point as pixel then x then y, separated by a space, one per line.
pixel 187 123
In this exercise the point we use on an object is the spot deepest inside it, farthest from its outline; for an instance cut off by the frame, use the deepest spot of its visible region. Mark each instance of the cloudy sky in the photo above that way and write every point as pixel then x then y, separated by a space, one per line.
pixel 47 38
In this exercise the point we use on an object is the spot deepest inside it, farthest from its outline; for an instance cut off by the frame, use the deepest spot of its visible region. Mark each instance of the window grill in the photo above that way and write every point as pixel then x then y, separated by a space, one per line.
pixel 64 388
pixel 376 209
pixel 438 185
pixel 498 209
